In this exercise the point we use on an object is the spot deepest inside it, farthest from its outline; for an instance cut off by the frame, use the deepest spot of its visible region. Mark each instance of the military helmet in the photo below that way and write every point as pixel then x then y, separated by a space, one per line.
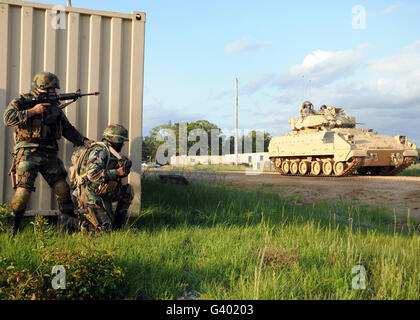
pixel 307 104
pixel 45 80
pixel 116 133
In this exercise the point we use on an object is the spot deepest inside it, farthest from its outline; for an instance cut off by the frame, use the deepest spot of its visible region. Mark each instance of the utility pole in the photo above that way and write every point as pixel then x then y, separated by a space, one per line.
pixel 236 123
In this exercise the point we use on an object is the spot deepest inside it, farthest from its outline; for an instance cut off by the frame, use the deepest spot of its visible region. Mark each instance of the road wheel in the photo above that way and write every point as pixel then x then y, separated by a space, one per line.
pixel 316 167
pixel 285 167
pixel 327 168
pixel 277 162
pixel 303 167
pixel 339 168
pixel 294 167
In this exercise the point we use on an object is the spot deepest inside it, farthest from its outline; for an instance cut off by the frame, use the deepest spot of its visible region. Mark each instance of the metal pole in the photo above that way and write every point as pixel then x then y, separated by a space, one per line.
pixel 236 123
pixel 68 3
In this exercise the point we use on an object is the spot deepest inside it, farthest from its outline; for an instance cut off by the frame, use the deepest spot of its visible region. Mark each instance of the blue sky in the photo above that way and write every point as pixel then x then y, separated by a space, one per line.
pixel 283 53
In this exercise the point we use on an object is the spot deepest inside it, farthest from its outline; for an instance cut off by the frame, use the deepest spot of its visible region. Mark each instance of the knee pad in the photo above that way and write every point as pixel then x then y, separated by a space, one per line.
pixel 62 194
pixel 62 191
pixel 20 199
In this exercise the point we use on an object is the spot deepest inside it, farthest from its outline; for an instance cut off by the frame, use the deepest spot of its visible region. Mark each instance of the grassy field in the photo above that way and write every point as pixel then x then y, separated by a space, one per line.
pixel 215 243
pixel 413 171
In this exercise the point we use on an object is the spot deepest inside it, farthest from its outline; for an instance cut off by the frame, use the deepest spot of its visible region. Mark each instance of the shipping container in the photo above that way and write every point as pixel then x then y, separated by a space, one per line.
pixel 88 50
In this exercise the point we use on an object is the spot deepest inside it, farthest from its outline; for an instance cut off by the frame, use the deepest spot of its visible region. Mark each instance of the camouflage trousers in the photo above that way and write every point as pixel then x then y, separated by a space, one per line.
pixel 98 211
pixel 28 163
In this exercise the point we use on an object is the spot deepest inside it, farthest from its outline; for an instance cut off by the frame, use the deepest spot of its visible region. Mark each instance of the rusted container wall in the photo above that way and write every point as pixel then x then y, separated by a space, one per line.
pixel 90 50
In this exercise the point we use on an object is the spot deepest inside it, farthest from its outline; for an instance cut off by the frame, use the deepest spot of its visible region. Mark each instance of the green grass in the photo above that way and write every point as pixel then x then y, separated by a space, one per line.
pixel 230 244
pixel 413 171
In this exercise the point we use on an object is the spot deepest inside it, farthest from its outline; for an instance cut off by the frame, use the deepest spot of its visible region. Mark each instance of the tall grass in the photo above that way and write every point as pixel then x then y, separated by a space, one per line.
pixel 228 244
pixel 413 171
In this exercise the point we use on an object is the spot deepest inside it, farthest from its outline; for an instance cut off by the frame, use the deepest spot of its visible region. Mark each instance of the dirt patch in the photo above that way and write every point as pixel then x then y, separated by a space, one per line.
pixel 278 257
pixel 401 194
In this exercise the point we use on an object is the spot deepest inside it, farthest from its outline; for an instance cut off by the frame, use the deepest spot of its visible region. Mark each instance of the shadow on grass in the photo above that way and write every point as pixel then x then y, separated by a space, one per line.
pixel 173 206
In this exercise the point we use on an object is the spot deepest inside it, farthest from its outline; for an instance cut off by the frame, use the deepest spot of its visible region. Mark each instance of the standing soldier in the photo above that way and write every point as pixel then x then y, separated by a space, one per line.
pixel 98 181
pixel 37 130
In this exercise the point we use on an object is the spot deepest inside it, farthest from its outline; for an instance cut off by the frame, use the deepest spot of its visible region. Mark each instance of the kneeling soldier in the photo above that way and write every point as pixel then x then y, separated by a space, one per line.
pixel 37 130
pixel 99 182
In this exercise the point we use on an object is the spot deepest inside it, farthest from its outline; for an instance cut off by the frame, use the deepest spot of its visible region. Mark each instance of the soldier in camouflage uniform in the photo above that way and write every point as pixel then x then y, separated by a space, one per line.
pixel 306 108
pixel 101 173
pixel 37 130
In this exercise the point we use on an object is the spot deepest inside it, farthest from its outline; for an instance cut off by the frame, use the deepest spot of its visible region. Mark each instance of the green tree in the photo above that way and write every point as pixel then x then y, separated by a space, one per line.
pixel 253 137
pixel 151 142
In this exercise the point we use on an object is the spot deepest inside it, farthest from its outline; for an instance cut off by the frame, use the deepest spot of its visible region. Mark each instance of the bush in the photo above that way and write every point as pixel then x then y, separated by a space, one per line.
pixel 90 273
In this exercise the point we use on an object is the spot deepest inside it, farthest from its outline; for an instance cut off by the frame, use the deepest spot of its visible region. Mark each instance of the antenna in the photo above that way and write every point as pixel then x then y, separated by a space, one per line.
pixel 303 88
pixel 236 121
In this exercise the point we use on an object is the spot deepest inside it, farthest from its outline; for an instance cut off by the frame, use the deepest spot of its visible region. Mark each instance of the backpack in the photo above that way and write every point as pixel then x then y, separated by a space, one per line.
pixel 77 180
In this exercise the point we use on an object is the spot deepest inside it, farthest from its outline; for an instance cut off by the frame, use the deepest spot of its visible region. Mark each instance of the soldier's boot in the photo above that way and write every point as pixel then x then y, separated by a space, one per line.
pixel 95 219
pixel 18 204
pixel 67 219
pixel 123 205
pixel 16 220
pixel 66 222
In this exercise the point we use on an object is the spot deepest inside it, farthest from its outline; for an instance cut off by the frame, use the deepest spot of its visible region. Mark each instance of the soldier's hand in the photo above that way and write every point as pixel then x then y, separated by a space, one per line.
pixel 38 109
pixel 88 143
pixel 120 172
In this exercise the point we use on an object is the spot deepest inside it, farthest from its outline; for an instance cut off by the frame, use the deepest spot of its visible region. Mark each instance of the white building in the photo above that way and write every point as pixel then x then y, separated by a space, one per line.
pixel 254 160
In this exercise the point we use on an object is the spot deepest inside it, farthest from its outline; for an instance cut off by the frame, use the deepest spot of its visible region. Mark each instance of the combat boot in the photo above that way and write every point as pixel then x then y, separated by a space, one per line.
pixel 68 223
pixel 120 216
pixel 16 220
pixel 122 207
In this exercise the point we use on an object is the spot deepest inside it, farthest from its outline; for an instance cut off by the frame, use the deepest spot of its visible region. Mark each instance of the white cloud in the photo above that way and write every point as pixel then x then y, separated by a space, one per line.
pixel 244 45
pixel 218 95
pixel 392 8
pixel 322 67
pixel 156 114
pixel 403 62
pixel 256 83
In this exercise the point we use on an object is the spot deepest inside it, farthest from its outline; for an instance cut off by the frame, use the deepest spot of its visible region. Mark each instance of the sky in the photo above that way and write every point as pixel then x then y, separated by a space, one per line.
pixel 363 56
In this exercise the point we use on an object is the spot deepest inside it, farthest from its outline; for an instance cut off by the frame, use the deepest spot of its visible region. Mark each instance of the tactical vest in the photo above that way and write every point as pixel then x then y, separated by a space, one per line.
pixel 41 127
pixel 100 189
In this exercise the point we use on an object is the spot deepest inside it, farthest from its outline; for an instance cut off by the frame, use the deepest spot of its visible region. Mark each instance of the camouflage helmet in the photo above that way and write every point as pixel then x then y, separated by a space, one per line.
pixel 307 103
pixel 116 133
pixel 45 80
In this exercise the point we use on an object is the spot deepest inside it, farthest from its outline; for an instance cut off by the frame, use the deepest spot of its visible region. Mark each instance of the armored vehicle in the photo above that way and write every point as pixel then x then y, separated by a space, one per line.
pixel 328 143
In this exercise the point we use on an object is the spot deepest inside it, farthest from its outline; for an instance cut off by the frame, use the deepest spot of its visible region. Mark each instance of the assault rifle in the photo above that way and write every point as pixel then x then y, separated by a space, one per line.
pixel 45 97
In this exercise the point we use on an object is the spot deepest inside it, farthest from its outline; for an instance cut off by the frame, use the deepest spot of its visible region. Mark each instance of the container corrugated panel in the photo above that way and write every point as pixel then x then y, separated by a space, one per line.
pixel 90 50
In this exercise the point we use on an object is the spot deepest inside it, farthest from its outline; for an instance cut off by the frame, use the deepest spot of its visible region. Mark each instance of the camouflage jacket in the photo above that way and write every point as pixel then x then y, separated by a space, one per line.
pixel 40 130
pixel 94 165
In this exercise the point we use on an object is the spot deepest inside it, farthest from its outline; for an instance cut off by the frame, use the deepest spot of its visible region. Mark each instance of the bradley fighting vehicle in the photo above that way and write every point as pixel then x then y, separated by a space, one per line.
pixel 328 143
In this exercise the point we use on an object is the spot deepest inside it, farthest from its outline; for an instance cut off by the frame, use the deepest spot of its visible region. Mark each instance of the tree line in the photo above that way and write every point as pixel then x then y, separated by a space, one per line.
pixel 225 143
